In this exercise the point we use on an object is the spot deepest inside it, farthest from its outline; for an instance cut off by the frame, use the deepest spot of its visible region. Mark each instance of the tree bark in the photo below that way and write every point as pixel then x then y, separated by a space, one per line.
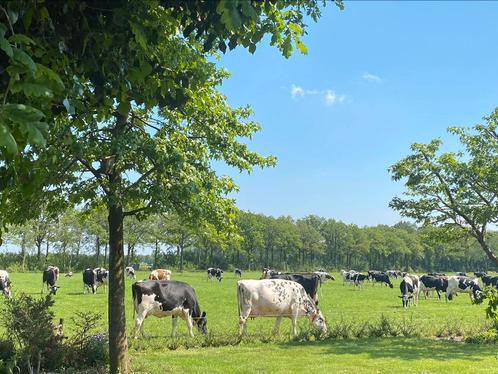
pixel 118 344
pixel 97 250
pixel 156 254
pixel 46 249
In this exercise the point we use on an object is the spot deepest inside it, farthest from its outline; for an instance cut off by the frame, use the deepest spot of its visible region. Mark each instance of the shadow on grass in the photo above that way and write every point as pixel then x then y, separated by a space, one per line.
pixel 403 348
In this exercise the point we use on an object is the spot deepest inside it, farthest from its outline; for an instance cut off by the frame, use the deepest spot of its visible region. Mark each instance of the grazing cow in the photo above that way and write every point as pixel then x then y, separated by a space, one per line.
pixel 268 273
pixel 433 283
pixel 324 276
pixel 56 270
pixel 212 272
pixel 393 273
pixel 102 277
pixel 463 284
pixel 238 272
pixel 69 275
pixel 358 279
pixel 480 274
pixel 276 298
pixel 130 272
pixel 167 298
pixel 371 274
pixel 347 276
pixel 50 278
pixel 381 278
pixel 160 274
pixel 410 288
pixel 5 284
pixel 310 282
pixel 461 274
pixel 490 281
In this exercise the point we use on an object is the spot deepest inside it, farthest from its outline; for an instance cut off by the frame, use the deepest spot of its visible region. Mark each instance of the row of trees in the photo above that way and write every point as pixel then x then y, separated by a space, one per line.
pixel 79 240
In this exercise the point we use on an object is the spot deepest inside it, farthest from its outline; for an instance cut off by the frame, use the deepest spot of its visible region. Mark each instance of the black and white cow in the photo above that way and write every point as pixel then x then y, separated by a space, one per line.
pixel 212 272
pixel 433 283
pixel 458 284
pixel 435 274
pixel 50 278
pixel 167 298
pixel 310 282
pixel 5 284
pixel 359 278
pixel 490 281
pixel 68 275
pixel 268 273
pixel 410 288
pixel 324 276
pixel 480 274
pixel 94 278
pixel 56 270
pixel 130 272
pixel 238 272
pixel 381 278
pixel 347 276
pixel 276 298
pixel 461 274
pixel 371 274
pixel 393 273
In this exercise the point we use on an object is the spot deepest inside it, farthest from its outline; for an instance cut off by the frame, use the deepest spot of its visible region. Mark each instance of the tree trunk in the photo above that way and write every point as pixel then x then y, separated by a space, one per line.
pixel 105 254
pixel 128 253
pixel 46 249
pixel 486 250
pixel 180 247
pixel 38 248
pixel 118 344
pixel 23 250
pixel 97 250
pixel 156 254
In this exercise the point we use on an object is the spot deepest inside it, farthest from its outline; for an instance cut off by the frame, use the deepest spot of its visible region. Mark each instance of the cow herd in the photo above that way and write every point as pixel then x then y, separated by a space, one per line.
pixel 275 294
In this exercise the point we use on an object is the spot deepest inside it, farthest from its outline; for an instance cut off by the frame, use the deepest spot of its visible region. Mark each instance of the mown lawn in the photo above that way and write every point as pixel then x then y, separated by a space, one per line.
pixel 222 351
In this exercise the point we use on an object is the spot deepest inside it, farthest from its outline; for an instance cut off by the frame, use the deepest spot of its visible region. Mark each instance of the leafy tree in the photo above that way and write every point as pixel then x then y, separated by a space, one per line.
pixel 454 189
pixel 142 118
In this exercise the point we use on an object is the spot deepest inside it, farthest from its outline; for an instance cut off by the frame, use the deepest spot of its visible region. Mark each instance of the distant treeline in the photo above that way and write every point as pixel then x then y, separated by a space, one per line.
pixel 76 241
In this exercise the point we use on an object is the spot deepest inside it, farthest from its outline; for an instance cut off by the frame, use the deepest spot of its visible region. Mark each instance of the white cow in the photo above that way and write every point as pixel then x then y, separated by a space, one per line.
pixel 463 284
pixel 410 289
pixel 348 276
pixel 276 298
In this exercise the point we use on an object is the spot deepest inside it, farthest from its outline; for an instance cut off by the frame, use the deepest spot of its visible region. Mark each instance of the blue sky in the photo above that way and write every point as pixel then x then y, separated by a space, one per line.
pixel 378 76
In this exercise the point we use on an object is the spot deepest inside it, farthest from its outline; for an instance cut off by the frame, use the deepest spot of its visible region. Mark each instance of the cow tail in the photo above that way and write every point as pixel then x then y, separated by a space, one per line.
pixel 239 291
pixel 134 297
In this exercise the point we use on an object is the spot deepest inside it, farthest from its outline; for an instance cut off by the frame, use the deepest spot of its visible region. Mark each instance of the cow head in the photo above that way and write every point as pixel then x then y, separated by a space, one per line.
pixel 201 323
pixel 477 292
pixel 390 284
pixel 5 286
pixel 318 320
pixel 53 290
pixel 405 299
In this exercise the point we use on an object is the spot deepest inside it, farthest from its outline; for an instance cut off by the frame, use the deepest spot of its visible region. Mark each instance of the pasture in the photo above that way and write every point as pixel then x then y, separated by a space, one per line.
pixel 342 306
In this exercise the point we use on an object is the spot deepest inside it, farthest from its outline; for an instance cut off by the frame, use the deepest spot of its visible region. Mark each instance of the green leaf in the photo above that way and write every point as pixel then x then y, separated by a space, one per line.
pixel 20 113
pixel 38 90
pixel 124 107
pixel 7 140
pixel 69 107
pixel 22 57
pixel 35 135
pixel 139 33
pixel 50 74
pixel 21 39
pixel 5 46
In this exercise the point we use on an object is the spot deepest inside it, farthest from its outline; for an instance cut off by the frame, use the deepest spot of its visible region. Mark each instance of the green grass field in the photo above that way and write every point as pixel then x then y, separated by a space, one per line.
pixel 221 351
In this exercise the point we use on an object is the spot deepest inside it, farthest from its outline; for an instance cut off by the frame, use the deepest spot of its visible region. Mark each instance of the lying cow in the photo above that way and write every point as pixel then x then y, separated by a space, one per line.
pixel 458 284
pixel 410 288
pixel 50 278
pixel 212 272
pixel 130 272
pixel 164 299
pixel 5 284
pixel 381 278
pixel 160 274
pixel 238 272
pixel 433 283
pixel 310 282
pixel 276 298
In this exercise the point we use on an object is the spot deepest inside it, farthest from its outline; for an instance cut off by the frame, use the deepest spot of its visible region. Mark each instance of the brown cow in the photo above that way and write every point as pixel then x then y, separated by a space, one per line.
pixel 160 274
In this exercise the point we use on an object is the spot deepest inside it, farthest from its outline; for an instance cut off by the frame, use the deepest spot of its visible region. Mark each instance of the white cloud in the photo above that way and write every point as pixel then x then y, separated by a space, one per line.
pixel 371 78
pixel 330 96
